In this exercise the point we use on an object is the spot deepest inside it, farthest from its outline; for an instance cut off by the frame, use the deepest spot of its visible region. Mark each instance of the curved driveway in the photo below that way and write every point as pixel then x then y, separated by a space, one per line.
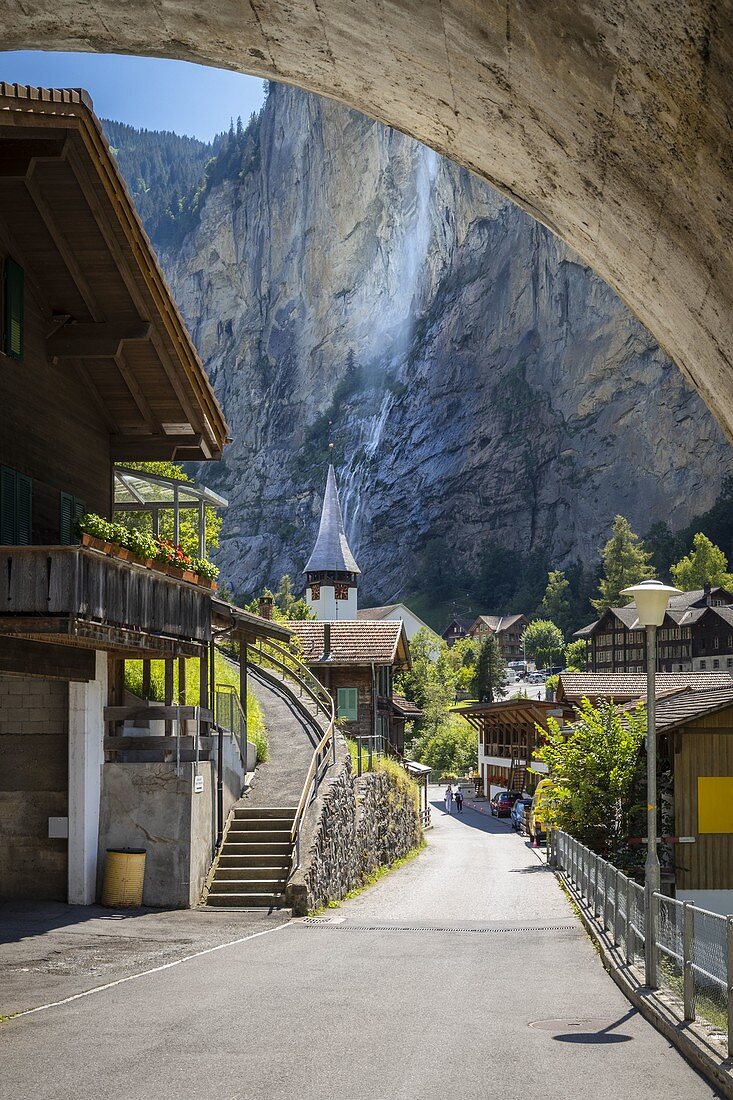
pixel 464 974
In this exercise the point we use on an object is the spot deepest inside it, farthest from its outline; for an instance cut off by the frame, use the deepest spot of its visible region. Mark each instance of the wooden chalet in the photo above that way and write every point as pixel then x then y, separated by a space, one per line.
pixel 507 629
pixel 508 738
pixel 356 661
pixel 96 367
pixel 695 731
pixel 696 635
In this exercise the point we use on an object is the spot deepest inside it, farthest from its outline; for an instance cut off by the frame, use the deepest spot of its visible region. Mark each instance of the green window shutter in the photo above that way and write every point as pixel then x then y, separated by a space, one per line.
pixel 23 510
pixel 7 506
pixel 79 507
pixel 348 704
pixel 13 311
pixel 66 520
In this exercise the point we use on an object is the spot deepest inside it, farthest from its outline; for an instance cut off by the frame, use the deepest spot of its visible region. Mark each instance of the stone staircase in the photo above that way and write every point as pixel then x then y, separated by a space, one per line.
pixel 254 861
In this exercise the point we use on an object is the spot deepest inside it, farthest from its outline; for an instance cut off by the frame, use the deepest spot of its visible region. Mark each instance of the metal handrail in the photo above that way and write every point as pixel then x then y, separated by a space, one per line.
pixel 591 877
pixel 239 735
pixel 274 654
pixel 278 655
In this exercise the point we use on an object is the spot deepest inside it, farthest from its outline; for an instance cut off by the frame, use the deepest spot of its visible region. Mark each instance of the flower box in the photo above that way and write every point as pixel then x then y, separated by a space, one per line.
pixel 144 550
pixel 96 544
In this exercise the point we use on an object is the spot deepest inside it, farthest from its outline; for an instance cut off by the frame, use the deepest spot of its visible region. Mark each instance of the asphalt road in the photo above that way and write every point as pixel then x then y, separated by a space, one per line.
pixel 465 973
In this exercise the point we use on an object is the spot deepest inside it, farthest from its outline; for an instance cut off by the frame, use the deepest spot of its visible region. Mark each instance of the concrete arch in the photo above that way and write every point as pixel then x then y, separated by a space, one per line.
pixel 608 121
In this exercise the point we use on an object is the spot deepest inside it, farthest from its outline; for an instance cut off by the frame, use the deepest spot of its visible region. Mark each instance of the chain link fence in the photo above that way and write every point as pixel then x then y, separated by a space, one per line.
pixel 694 947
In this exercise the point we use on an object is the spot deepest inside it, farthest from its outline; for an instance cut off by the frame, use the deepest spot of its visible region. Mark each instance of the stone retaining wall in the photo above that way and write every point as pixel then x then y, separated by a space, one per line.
pixel 351 829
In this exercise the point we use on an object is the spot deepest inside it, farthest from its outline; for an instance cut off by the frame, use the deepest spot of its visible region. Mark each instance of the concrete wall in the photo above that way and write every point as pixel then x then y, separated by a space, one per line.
pixel 149 806
pixel 353 827
pixel 33 786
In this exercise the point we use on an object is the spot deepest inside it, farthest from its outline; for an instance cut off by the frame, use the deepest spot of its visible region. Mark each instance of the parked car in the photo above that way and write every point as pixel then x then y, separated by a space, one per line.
pixel 518 811
pixel 536 818
pixel 502 802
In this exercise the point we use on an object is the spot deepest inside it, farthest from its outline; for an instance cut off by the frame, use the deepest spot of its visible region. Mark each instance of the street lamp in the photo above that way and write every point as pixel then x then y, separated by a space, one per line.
pixel 651 598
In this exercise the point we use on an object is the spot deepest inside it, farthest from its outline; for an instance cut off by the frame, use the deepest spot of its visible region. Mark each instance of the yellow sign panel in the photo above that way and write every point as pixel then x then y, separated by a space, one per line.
pixel 715 804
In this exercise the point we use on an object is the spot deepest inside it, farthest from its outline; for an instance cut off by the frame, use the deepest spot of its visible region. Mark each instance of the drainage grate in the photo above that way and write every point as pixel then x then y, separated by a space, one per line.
pixel 496 929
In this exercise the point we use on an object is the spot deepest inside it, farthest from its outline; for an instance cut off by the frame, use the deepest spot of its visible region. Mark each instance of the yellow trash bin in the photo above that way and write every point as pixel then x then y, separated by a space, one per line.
pixel 123 878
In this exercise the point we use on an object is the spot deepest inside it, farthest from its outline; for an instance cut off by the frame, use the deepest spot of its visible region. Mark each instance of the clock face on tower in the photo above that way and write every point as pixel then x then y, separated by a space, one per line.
pixel 342 591
pixel 315 592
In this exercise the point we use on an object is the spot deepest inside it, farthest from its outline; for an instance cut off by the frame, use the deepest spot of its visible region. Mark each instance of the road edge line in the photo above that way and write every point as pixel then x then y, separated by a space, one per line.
pixel 145 973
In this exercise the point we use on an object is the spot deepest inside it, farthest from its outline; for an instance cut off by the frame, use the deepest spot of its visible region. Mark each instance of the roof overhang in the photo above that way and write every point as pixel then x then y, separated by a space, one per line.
pixel 68 220
pixel 243 625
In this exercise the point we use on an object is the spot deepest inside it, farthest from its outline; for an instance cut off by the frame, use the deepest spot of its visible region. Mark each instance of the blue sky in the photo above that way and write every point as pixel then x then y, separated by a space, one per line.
pixel 146 92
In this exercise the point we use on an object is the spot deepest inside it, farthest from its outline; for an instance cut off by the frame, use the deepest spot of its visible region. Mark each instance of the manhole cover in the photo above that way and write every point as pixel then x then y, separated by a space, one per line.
pixel 593 1032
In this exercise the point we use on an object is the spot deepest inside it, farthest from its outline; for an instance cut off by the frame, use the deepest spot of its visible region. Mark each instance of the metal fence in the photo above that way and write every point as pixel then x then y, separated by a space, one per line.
pixel 694 947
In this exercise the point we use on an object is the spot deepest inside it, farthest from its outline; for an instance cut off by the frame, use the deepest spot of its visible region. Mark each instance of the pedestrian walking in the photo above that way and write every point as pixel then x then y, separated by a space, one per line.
pixel 459 801
pixel 448 799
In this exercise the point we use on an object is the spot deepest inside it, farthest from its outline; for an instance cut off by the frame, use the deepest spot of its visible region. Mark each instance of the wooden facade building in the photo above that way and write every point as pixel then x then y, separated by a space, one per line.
pixel 96 366
pixel 356 661
pixel 508 739
pixel 696 636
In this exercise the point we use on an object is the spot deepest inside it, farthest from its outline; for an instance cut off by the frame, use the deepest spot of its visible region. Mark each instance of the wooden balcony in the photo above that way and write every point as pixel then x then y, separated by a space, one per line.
pixel 78 595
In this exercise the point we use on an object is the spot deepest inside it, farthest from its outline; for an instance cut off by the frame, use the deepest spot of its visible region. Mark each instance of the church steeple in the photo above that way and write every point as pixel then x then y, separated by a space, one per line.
pixel 332 572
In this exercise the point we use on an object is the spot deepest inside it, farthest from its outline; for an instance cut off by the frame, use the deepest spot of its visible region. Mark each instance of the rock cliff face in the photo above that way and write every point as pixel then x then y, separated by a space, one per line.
pixel 476 379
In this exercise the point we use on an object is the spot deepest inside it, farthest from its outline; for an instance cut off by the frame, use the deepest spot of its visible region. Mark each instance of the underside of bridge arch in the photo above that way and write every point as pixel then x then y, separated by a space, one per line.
pixel 608 121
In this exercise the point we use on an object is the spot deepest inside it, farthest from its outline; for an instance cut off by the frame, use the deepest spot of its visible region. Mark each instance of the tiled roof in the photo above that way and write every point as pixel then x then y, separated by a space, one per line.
pixel 695 596
pixel 353 642
pixel 376 612
pixel 464 624
pixel 498 623
pixel 684 610
pixel 689 705
pixel 623 686
pixel 405 708
pixel 586 631
pixel 331 553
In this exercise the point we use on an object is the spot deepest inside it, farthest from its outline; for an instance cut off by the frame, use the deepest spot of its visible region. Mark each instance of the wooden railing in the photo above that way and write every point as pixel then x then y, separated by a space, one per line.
pixel 77 583
pixel 283 662
pixel 164 748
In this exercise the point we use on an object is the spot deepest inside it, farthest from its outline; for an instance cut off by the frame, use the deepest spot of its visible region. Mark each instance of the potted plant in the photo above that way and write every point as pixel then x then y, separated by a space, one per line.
pixel 206 572
pixel 143 547
pixel 95 532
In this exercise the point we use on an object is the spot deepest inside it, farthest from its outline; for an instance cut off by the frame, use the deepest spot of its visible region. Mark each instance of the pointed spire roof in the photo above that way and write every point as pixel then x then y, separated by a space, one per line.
pixel 331 554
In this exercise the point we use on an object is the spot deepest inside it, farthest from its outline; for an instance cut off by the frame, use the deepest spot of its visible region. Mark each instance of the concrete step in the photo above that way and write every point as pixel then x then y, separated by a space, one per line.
pixel 247 886
pixel 244 812
pixel 243 901
pixel 257 836
pixel 254 874
pixel 255 824
pixel 257 848
pixel 234 859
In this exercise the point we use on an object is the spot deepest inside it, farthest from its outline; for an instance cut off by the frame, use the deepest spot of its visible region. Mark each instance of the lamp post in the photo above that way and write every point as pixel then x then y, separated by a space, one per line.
pixel 652 598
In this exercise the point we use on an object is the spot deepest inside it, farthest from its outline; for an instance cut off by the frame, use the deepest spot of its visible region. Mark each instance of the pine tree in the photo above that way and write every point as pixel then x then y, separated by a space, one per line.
pixel 555 602
pixel 488 683
pixel 625 562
